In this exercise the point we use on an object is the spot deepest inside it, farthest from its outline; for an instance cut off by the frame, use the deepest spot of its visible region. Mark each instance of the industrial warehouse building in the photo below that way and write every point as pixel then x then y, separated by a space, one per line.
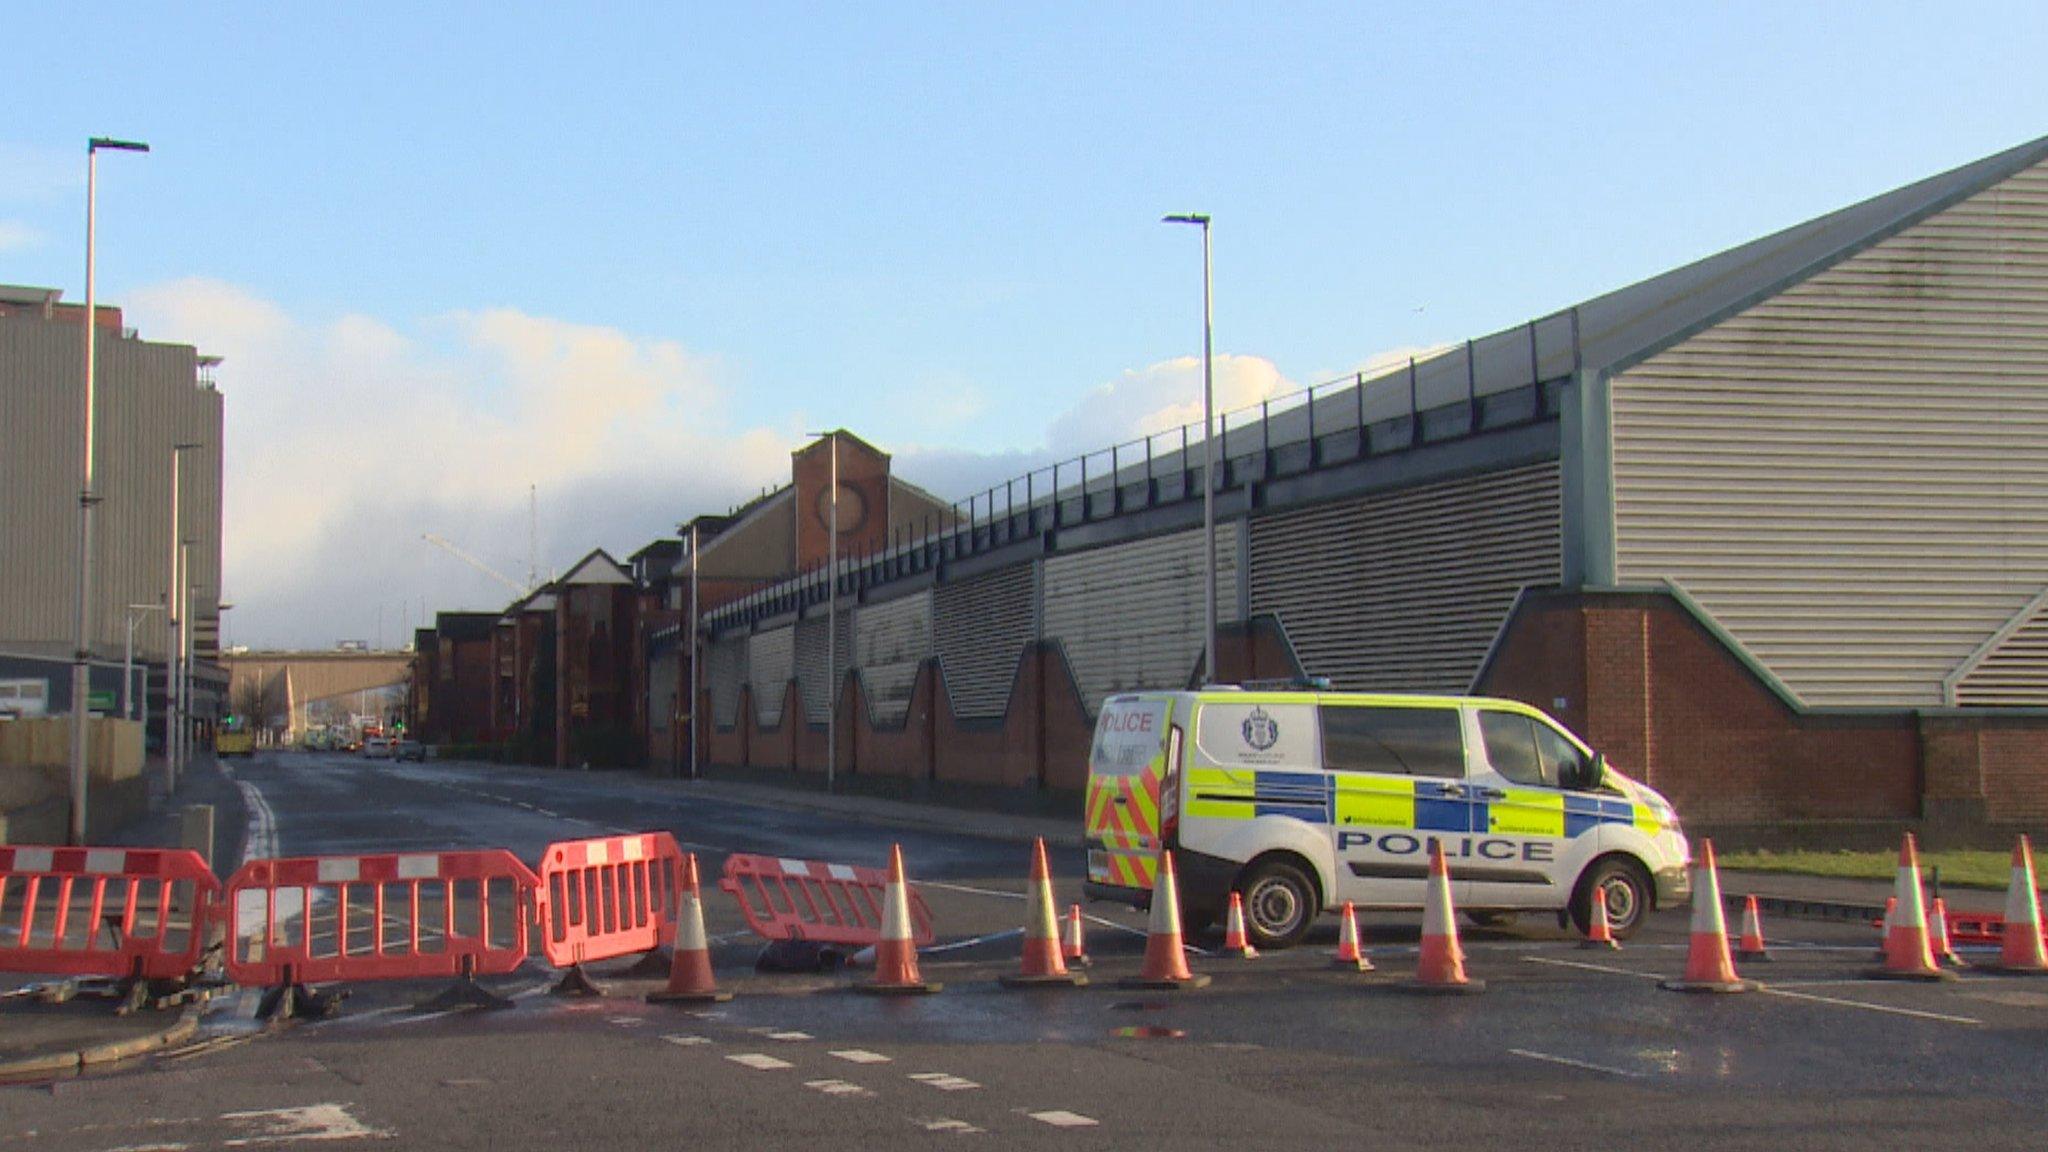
pixel 150 397
pixel 1770 529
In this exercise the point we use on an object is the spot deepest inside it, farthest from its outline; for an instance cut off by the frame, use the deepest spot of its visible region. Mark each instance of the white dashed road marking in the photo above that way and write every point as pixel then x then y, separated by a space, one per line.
pixel 318 1122
pixel 759 1061
pixel 944 1081
pixel 861 1056
pixel 1913 1012
pixel 941 1124
pixel 790 1036
pixel 837 1088
pixel 1568 1062
pixel 682 1041
pixel 1063 1119
pixel 625 1021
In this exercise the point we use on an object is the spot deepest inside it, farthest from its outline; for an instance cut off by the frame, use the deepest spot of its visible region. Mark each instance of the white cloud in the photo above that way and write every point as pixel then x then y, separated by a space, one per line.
pixel 1160 398
pixel 348 439
pixel 16 236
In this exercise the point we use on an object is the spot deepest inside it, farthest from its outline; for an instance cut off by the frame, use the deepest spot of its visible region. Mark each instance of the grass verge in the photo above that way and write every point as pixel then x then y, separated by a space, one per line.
pixel 1961 869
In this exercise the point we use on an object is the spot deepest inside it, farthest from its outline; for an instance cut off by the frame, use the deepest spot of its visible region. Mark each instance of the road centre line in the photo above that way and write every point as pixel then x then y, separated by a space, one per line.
pixel 944 1081
pixel 759 1061
pixel 860 1056
pixel 1581 964
pixel 838 1088
pixel 1063 1119
pixel 1912 1012
pixel 1568 1062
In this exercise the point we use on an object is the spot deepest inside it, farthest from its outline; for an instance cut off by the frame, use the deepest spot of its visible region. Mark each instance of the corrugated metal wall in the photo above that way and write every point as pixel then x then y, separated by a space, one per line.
pixel 771 661
pixel 979 629
pixel 2013 671
pixel 148 399
pixel 1404 590
pixel 891 640
pixel 725 670
pixel 1852 477
pixel 1130 615
pixel 811 651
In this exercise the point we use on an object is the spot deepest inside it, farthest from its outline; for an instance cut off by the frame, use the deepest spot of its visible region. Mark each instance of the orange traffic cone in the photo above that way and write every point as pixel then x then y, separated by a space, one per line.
pixel 1884 925
pixel 1708 966
pixel 1072 948
pixel 896 955
pixel 1235 943
pixel 1349 953
pixel 1907 953
pixel 1166 965
pixel 2021 950
pixel 1043 964
pixel 1441 966
pixel 1750 945
pixel 1937 936
pixel 1599 932
pixel 689 974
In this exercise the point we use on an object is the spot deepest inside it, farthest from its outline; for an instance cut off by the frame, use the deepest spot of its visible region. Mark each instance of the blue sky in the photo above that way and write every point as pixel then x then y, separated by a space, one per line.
pixel 717 225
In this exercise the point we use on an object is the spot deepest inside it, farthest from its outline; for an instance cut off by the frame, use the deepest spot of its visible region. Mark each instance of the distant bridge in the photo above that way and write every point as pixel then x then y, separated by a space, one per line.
pixel 290 682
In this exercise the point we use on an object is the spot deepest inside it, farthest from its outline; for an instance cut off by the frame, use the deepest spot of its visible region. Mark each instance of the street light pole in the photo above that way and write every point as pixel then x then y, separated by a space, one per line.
pixel 128 692
pixel 1208 452
pixel 81 667
pixel 694 690
pixel 174 643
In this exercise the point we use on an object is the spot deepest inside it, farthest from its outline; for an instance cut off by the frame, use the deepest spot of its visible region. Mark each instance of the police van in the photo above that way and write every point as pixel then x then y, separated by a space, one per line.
pixel 1303 800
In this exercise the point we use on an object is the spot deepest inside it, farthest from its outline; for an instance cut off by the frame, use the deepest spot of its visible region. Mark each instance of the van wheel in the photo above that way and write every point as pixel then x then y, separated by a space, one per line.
pixel 1623 886
pixel 1280 904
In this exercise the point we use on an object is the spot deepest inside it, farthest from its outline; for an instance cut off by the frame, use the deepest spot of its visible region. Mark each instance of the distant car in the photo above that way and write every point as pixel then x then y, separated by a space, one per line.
pixel 377 748
pixel 409 750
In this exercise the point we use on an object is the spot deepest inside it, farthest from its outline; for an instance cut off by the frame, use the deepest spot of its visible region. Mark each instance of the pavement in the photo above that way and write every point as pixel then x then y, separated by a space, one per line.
pixel 338 806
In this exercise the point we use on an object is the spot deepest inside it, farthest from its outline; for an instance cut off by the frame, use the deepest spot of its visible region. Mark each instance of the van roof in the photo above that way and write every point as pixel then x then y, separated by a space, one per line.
pixel 1238 695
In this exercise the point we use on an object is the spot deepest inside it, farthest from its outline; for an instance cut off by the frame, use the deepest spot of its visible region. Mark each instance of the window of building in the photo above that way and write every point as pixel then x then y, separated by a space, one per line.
pixel 1396 741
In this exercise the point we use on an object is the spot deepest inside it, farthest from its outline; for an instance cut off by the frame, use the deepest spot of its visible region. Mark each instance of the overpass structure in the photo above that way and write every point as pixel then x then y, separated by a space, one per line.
pixel 288 683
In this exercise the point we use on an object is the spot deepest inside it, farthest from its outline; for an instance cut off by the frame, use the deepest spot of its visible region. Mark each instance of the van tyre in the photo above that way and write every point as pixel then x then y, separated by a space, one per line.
pixel 1625 886
pixel 1280 903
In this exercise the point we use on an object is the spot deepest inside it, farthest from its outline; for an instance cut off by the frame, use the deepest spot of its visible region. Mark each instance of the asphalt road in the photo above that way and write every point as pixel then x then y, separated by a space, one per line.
pixel 1567 1048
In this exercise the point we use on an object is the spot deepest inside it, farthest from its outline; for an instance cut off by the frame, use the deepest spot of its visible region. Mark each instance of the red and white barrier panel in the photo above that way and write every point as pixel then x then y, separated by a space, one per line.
pixel 785 899
pixel 387 916
pixel 125 914
pixel 609 897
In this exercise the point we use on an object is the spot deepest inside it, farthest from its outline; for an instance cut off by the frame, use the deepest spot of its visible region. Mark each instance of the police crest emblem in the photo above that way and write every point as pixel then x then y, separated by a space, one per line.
pixel 1261 731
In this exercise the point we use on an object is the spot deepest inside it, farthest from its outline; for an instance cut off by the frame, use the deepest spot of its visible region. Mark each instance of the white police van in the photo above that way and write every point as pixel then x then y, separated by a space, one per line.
pixel 1302 800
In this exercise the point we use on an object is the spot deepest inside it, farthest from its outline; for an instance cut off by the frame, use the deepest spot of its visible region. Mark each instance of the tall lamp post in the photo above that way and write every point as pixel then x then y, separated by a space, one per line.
pixel 1208 452
pixel 174 643
pixel 81 667
pixel 694 654
pixel 832 621
pixel 128 693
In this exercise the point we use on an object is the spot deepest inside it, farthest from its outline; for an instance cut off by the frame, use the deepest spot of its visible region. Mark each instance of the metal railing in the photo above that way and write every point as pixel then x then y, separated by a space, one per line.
pixel 1336 422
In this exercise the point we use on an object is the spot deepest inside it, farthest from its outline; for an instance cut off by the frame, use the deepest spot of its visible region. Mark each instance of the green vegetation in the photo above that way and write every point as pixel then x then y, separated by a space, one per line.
pixel 1959 869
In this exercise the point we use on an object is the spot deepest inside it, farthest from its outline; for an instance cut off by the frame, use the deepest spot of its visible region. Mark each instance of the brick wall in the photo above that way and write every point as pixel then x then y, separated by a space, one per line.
pixel 1668 702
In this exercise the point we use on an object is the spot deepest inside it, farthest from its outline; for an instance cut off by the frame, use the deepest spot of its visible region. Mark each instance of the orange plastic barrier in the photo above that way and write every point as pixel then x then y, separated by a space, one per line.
pixel 812 900
pixel 386 916
pixel 115 912
pixel 1979 928
pixel 608 897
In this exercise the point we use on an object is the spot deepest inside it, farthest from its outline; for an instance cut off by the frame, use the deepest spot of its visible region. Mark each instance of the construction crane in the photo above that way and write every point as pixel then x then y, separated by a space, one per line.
pixel 453 550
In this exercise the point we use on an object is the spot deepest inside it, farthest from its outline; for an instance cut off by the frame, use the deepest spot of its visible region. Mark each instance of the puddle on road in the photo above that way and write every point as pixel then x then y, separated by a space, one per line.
pixel 1148 1032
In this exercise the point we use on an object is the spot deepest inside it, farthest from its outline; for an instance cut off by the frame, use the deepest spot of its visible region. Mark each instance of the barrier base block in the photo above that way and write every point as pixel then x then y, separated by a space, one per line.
pixel 463 993
pixel 1931 976
pixel 1601 945
pixel 1753 957
pixel 298 1002
pixel 576 982
pixel 1049 980
pixel 665 997
pixel 653 964
pixel 923 988
pixel 1723 987
pixel 1198 980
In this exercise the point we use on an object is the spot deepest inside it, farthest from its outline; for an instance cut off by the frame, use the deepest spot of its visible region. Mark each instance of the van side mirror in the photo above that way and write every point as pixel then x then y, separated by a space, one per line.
pixel 1593 773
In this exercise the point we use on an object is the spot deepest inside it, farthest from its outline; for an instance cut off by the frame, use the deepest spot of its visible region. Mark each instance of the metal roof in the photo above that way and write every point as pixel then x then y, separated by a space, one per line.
pixel 1614 331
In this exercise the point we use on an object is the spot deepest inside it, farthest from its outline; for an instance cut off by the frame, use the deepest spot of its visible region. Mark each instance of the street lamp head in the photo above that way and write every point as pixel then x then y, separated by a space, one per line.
pixel 105 143
pixel 1186 218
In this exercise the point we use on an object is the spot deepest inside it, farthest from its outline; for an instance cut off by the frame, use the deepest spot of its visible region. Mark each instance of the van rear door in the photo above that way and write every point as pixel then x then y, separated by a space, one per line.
pixel 1125 765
